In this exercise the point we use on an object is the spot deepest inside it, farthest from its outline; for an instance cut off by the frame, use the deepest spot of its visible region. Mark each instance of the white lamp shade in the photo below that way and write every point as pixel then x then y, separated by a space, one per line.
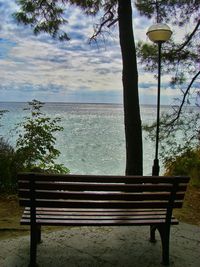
pixel 159 33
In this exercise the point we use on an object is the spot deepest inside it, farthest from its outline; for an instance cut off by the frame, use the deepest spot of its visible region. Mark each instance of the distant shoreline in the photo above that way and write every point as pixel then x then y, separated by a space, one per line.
pixel 119 105
pixel 78 103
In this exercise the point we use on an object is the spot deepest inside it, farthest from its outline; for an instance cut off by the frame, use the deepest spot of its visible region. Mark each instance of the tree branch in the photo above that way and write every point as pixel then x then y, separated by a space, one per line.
pixel 183 100
pixel 113 22
pixel 103 23
pixel 189 37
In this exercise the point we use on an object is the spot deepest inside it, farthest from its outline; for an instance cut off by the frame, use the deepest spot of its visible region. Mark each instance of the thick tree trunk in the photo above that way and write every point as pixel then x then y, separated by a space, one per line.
pixel 132 120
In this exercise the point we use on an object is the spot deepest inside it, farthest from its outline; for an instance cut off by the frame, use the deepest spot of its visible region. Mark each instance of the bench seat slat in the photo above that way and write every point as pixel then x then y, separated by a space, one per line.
pixel 97 213
pixel 44 216
pixel 63 214
pixel 94 217
pixel 91 210
pixel 99 222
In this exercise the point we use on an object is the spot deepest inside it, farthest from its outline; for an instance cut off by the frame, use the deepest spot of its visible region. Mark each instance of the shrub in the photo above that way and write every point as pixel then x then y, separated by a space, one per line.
pixel 8 167
pixel 36 144
pixel 188 163
pixel 35 148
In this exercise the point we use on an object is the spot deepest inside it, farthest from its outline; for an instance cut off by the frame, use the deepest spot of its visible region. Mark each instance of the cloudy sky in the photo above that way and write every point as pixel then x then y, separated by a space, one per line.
pixel 37 67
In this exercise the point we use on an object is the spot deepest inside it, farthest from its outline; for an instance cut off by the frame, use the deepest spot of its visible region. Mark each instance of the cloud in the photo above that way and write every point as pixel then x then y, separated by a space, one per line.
pixel 40 67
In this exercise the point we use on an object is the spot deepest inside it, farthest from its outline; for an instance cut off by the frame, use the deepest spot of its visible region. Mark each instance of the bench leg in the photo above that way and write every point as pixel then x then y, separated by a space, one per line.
pixel 165 235
pixel 33 246
pixel 35 239
pixel 39 234
pixel 152 234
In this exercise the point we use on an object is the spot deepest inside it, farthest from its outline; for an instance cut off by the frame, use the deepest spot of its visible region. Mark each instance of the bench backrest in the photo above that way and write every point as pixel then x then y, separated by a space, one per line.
pixel 101 192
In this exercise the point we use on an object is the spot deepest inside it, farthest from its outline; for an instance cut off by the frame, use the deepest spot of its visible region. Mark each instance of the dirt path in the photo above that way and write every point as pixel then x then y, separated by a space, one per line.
pixel 10 213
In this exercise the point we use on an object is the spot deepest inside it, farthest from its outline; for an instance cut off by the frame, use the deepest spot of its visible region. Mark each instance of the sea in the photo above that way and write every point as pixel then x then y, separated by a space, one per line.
pixel 93 139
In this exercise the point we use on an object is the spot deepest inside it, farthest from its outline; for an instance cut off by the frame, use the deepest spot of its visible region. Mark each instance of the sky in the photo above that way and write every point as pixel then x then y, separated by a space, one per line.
pixel 37 67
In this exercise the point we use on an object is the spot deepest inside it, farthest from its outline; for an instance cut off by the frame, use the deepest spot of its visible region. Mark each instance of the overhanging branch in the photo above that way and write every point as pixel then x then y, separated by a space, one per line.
pixel 189 37
pixel 107 19
pixel 183 100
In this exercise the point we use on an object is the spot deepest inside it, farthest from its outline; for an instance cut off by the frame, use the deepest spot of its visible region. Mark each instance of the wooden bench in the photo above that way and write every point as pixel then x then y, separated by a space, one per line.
pixel 89 200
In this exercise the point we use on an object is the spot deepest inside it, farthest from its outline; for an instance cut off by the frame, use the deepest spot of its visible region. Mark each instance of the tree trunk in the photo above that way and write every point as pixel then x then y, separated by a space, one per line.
pixel 132 120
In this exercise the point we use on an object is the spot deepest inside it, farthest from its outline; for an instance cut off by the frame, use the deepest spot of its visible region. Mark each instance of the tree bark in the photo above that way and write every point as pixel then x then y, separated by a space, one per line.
pixel 132 120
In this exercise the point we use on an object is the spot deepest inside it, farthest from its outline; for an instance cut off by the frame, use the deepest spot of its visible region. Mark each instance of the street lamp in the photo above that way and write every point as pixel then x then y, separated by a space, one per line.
pixel 158 33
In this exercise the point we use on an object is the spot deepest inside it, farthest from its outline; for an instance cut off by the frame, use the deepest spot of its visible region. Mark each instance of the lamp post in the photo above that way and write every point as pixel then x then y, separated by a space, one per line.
pixel 158 33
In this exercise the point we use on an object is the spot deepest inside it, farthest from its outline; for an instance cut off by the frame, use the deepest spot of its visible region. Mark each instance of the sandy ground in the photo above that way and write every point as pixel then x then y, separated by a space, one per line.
pixel 103 247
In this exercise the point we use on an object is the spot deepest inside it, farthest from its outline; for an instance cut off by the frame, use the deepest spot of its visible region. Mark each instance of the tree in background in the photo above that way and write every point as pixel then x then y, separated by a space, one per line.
pixel 179 131
pixel 49 16
pixel 35 145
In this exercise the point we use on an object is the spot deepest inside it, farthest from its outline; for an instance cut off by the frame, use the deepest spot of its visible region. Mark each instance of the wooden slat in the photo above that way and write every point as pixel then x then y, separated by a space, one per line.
pixel 102 187
pixel 102 178
pixel 99 222
pixel 99 212
pixel 125 214
pixel 41 194
pixel 91 210
pixel 100 204
pixel 94 217
pixel 96 212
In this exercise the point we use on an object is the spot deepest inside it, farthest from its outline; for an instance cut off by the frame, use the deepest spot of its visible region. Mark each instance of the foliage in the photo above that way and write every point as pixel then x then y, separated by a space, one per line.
pixel 35 148
pixel 36 144
pixel 188 163
pixel 179 12
pixel 42 9
pixel 49 16
pixel 180 144
pixel 180 57
pixel 9 165
pixel 179 128
pixel 178 137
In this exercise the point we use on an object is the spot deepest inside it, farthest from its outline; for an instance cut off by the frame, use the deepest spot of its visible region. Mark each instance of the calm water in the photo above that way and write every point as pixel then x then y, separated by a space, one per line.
pixel 93 139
